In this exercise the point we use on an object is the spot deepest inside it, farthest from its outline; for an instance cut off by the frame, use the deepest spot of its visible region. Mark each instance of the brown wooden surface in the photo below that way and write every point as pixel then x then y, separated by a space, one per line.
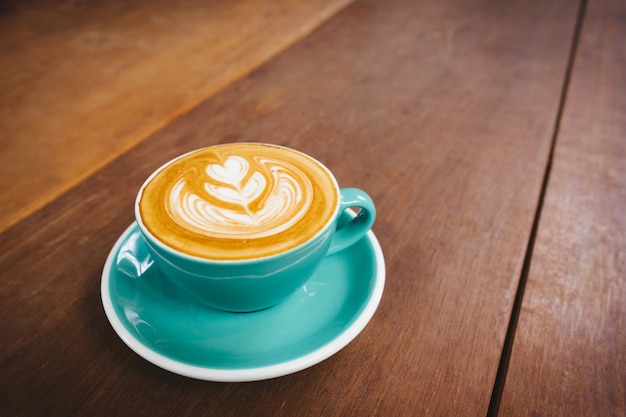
pixel 82 82
pixel 443 111
pixel 569 355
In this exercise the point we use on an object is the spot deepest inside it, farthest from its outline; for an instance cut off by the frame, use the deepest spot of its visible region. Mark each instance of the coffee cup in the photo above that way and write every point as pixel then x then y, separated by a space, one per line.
pixel 240 227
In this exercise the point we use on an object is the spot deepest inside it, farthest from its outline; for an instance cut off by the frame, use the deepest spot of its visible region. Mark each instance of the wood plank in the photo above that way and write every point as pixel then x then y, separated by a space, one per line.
pixel 82 82
pixel 443 111
pixel 569 353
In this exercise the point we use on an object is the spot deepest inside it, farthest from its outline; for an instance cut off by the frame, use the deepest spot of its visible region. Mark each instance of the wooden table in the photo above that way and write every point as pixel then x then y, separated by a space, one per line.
pixel 490 135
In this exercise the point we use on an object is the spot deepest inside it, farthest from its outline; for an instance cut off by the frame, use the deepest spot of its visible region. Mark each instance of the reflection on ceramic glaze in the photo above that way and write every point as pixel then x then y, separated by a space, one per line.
pixel 133 259
pixel 247 198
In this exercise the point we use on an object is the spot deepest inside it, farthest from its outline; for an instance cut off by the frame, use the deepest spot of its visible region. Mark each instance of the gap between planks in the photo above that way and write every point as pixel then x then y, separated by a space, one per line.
pixel 498 387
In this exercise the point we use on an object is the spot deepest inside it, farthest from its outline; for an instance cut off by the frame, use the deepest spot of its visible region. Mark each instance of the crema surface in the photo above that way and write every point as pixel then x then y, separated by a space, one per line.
pixel 238 201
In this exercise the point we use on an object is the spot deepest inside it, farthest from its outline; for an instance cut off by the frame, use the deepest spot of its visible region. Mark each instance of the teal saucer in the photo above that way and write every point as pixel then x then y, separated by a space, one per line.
pixel 165 327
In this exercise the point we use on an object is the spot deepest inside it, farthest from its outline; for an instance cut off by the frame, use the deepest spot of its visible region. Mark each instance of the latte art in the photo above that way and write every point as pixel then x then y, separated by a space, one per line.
pixel 243 199
pixel 238 201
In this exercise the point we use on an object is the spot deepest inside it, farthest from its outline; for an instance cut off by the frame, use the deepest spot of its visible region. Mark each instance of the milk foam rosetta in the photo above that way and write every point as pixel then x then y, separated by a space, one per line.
pixel 227 202
pixel 238 201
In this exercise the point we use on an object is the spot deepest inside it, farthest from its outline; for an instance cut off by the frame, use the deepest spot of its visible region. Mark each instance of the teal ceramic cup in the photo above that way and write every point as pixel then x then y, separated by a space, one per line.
pixel 247 285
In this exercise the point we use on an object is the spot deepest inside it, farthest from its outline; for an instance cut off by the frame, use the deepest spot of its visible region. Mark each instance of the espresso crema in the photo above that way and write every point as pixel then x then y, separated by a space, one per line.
pixel 238 201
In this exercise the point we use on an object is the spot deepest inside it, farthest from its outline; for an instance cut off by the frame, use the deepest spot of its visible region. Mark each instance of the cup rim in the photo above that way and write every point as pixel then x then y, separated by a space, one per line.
pixel 162 245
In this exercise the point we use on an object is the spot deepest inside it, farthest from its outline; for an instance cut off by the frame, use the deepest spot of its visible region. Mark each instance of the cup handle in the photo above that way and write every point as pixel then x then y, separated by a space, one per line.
pixel 352 231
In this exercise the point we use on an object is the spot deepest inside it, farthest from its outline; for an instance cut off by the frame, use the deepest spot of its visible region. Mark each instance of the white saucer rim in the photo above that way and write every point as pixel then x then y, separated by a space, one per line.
pixel 243 374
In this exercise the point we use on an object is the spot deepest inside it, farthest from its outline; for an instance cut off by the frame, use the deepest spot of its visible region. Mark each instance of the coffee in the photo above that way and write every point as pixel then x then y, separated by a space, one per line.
pixel 238 201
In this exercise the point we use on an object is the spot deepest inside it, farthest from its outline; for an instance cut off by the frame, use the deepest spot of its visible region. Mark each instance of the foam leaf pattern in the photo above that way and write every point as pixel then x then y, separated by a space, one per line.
pixel 243 198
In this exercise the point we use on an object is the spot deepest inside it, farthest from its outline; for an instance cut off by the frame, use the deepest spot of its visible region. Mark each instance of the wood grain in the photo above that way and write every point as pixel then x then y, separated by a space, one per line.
pixel 442 111
pixel 82 82
pixel 569 354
